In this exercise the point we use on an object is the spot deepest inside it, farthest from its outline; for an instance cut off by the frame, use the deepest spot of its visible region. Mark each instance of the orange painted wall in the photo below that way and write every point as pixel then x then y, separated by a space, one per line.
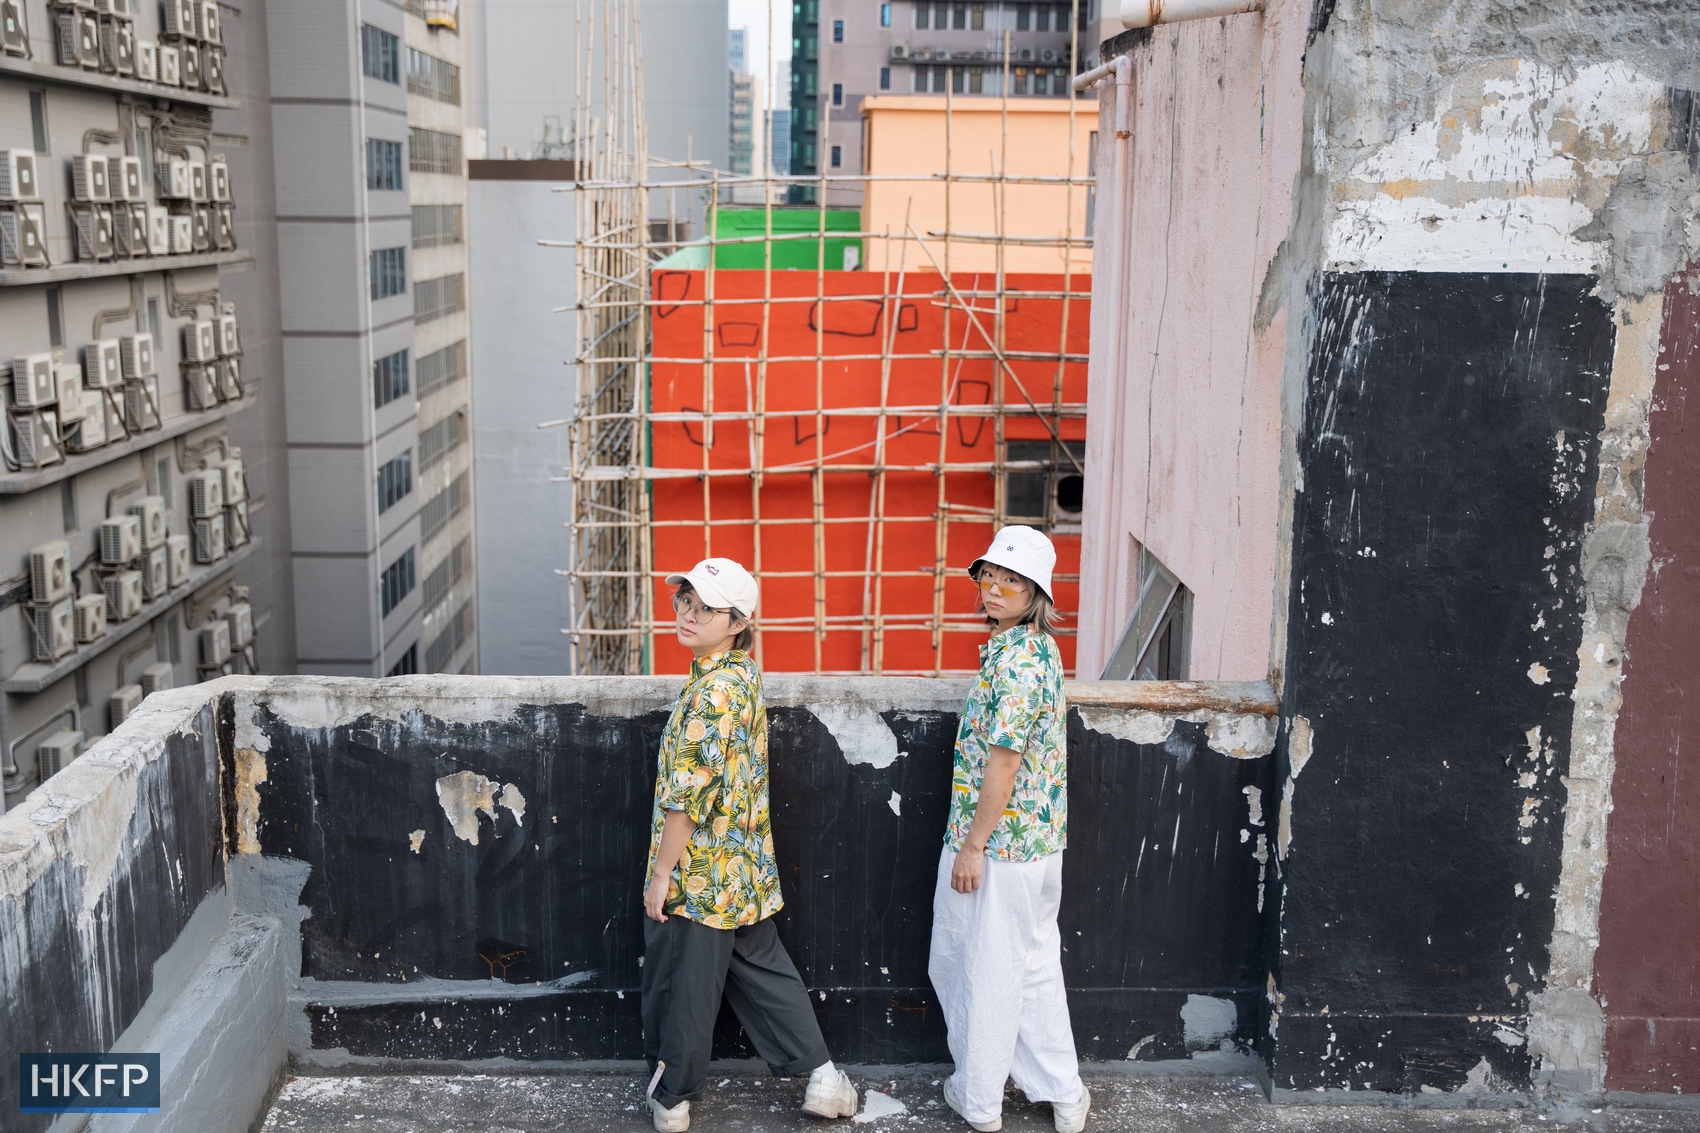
pixel 854 319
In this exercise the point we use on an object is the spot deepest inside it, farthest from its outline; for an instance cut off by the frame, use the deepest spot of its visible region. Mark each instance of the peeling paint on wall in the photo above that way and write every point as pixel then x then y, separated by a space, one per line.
pixel 250 773
pixel 463 796
pixel 1134 727
pixel 860 731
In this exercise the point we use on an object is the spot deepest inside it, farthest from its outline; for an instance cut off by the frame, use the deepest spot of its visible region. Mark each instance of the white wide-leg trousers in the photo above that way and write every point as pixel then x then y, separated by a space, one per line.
pixel 996 964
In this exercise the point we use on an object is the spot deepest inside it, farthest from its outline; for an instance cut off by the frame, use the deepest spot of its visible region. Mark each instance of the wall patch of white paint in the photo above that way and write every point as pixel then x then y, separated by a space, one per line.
pixel 859 730
pixel 250 773
pixel 1515 160
pixel 1300 737
pixel 1538 673
pixel 896 804
pixel 514 801
pixel 1239 736
pixel 1134 727
pixel 416 840
pixel 1207 1019
pixel 462 796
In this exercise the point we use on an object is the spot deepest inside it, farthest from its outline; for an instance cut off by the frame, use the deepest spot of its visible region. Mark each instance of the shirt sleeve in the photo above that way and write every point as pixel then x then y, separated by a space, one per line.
pixel 1018 696
pixel 699 760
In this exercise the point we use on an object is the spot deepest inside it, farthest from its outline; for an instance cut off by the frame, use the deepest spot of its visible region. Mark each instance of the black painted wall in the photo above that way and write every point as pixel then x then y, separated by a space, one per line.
pixel 1448 454
pixel 65 988
pixel 1160 891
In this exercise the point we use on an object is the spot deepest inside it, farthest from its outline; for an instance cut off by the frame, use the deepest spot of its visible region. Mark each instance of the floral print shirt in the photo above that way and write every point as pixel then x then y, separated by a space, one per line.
pixel 713 767
pixel 1017 703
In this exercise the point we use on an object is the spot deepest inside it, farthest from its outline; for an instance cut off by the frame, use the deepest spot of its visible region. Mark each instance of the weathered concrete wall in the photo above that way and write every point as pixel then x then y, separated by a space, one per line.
pixel 464 857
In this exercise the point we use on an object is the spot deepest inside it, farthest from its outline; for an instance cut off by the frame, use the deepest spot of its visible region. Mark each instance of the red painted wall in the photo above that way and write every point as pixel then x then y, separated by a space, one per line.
pixel 1648 964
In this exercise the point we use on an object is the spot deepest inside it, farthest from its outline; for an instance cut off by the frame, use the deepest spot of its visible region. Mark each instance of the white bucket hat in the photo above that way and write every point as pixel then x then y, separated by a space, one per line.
pixel 1024 550
pixel 723 584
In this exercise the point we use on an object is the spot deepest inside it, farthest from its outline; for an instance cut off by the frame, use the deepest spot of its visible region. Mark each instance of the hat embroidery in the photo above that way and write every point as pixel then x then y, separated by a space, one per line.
pixel 711 569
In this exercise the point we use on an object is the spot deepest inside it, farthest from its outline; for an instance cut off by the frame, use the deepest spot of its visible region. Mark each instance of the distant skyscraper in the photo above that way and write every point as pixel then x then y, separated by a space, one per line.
pixel 737 50
pixel 780 159
pixel 745 97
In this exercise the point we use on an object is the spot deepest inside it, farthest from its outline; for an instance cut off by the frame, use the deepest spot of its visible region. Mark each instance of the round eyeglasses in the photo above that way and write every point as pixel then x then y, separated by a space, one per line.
pixel 695 612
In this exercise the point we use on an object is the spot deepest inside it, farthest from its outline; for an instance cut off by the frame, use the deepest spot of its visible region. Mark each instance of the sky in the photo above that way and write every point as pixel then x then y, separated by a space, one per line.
pixel 752 14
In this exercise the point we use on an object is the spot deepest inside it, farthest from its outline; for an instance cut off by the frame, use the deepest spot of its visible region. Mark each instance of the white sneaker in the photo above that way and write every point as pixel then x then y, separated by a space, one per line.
pixel 832 1096
pixel 955 1103
pixel 1072 1118
pixel 675 1120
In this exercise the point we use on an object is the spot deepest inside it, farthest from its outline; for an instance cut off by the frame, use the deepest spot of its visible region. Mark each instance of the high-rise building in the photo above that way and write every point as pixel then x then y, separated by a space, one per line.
pixel 144 507
pixel 372 199
pixel 737 50
pixel 745 143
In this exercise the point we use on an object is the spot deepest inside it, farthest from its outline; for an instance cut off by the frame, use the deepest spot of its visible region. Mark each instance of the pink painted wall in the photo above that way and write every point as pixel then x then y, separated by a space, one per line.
pixel 1184 434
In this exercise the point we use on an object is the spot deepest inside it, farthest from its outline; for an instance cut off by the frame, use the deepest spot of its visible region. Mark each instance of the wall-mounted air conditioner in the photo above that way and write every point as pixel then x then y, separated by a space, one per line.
pixel 38 439
pixel 23 236
pixel 91 229
pixel 141 404
pixel 200 341
pixel 209 539
pixel 89 177
pixel 207 24
pixel 89 617
pixel 233 481
pixel 122 702
pixel 202 236
pixel 1024 54
pixel 206 493
pixel 900 51
pixel 177 547
pixel 68 390
pixel 120 539
pixel 56 753
pixel 135 355
pixel 123 595
pixel 13 39
pixel 117 47
pixel 50 571
pixel 159 231
pixel 156 573
pixel 224 227
pixel 212 69
pixel 182 234
pixel 180 17
pixel 88 41
pixel 32 381
pixel 88 431
pixel 156 678
pixel 102 364
pixel 236 525
pixel 125 177
pixel 215 642
pixel 130 229
pixel 174 179
pixel 170 65
pixel 17 176
pixel 218 180
pixel 53 630
pixel 191 54
pixel 147 62
pixel 226 335
pixel 197 181
pixel 200 382
pixel 229 378
pixel 241 619
pixel 1046 55
pixel 151 516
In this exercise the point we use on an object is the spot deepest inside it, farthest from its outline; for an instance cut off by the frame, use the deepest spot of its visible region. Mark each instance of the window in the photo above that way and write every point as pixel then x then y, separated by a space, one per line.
pixel 885 15
pixel 976 80
pixel 920 78
pixel 383 165
pixel 38 119
pixel 441 508
pixel 809 80
pixel 837 156
pixel 977 17
pixel 438 369
pixel 452 637
pixel 389 272
pixel 436 225
pixel 922 10
pixel 395 481
pixel 1062 19
pixel 1153 644
pixel 432 152
pixel 838 31
pixel 380 54
pixel 441 439
pixel 838 94
pixel 446 574
pixel 1042 18
pixel 56 319
pixel 940 77
pixel 396 582
pixel 68 503
pixel 1018 81
pixel 959 15
pixel 1048 498
pixel 432 77
pixel 389 378
pixel 957 77
pixel 408 664
pixel 434 298
pixel 1023 17
pixel 162 480
pixel 885 78
pixel 1039 80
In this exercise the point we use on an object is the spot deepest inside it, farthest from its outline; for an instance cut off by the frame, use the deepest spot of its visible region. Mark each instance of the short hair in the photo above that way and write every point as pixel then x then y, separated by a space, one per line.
pixel 745 639
pixel 1041 611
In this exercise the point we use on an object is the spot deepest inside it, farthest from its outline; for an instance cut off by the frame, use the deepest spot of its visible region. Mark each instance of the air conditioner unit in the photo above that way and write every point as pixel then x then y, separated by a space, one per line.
pixel 180 17
pixel 174 179
pixel 229 378
pixel 54 636
pixel 68 391
pixel 920 54
pixel 124 174
pixel 141 404
pixel 147 62
pixel 117 47
pixel 200 341
pixel 215 642
pixel 224 227
pixel 241 619
pixel 201 383
pixel 209 539
pixel 17 176
pixel 13 40
pixel 112 411
pixel 88 177
pixel 88 41
pixel 32 381
pixel 102 5
pixel 182 234
pixel 151 517
pixel 233 481
pixel 23 236
pixel 226 335
pixel 207 26
pixel 92 229
pixel 170 65
pixel 56 753
pixel 206 493
pixel 50 571
pixel 120 539
pixel 87 432
pixel 159 231
pixel 130 229
pixel 177 547
pixel 191 54
pixel 236 529
pixel 156 574
pixel 156 678
pixel 202 235
pixel 900 51
pixel 218 180
pixel 89 617
pixel 123 595
pixel 38 439
pixel 123 702
pixel 197 181
pixel 102 368
pixel 212 69
pixel 135 355
pixel 941 55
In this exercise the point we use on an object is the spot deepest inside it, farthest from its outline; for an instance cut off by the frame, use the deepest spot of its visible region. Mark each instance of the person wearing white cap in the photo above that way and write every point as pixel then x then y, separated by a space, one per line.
pixel 713 883
pixel 996 957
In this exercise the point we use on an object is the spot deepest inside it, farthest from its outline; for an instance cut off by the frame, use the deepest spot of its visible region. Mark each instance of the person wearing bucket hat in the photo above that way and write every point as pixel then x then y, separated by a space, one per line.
pixel 996 955
pixel 713 883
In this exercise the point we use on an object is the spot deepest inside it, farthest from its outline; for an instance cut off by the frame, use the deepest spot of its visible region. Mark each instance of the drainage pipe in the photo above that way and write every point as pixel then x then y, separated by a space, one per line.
pixel 1150 13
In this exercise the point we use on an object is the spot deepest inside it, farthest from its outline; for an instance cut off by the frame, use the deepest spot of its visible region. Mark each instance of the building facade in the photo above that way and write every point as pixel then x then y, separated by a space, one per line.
pixel 371 188
pixel 144 507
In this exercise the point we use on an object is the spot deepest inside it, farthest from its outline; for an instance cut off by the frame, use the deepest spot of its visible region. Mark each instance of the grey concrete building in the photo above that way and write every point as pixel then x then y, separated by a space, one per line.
pixel 371 190
pixel 136 209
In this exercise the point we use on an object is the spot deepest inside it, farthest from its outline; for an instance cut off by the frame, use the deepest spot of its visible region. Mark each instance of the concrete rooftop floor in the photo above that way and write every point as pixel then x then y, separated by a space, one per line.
pixel 743 1100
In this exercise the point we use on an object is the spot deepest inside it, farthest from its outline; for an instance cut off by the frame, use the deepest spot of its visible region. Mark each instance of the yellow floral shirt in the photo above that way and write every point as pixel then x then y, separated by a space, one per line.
pixel 713 767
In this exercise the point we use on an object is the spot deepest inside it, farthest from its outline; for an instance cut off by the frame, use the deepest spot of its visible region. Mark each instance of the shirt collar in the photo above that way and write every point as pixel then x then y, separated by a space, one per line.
pixel 1004 640
pixel 702 666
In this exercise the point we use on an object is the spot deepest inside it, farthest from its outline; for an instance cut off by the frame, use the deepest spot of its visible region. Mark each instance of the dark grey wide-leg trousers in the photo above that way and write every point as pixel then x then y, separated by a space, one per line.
pixel 687 967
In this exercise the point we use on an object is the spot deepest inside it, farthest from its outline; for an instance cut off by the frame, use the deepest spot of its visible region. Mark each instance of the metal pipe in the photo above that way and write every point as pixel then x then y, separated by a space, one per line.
pixel 1150 13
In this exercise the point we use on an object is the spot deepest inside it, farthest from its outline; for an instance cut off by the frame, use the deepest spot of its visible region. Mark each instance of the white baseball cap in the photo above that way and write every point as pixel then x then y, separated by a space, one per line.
pixel 723 584
pixel 1024 550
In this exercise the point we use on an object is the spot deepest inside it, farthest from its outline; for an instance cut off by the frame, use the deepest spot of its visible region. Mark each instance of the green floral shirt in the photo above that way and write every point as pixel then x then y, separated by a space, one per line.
pixel 1017 703
pixel 713 767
